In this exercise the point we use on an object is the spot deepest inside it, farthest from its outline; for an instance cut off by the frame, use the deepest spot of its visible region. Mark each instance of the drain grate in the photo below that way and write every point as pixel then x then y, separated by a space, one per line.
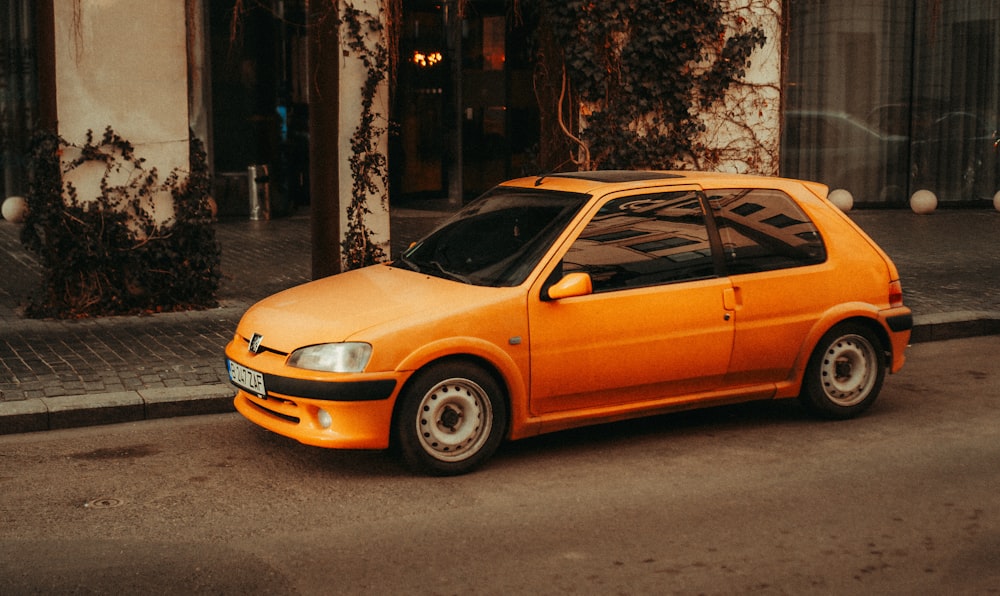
pixel 106 503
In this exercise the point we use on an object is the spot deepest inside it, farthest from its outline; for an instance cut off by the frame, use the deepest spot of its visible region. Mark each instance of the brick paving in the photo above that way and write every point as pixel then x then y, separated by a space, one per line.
pixel 52 358
pixel 948 260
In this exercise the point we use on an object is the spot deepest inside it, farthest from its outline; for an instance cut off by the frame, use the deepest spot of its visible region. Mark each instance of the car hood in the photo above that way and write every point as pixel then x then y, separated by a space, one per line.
pixel 337 308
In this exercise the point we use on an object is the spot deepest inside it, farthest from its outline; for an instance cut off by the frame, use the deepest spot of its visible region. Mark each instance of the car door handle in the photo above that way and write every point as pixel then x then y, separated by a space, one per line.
pixel 730 299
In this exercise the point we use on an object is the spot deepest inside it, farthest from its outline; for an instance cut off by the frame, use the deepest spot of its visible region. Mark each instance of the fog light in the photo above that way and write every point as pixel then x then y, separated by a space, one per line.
pixel 324 419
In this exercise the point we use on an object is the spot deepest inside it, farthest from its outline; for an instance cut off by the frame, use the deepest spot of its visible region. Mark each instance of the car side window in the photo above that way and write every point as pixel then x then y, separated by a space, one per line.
pixel 644 240
pixel 764 230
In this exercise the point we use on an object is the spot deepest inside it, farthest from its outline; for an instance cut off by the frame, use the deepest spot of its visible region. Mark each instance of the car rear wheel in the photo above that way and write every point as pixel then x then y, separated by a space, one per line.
pixel 451 418
pixel 845 372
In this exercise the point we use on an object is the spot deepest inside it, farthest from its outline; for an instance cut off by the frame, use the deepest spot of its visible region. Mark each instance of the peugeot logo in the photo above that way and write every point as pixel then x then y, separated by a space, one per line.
pixel 255 343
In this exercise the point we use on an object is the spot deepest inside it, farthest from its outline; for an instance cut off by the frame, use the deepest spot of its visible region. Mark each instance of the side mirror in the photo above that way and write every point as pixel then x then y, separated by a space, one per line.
pixel 570 286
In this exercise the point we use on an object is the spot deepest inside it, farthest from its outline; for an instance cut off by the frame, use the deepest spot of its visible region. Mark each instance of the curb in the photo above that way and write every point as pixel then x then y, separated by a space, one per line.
pixel 73 411
pixel 954 325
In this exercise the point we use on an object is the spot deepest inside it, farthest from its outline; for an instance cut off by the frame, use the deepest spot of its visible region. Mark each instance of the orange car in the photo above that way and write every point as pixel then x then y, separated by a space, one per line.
pixel 575 299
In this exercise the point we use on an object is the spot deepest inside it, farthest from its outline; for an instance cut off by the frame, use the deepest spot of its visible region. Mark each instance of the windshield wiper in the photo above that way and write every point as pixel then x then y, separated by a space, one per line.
pixel 431 268
pixel 407 264
pixel 449 274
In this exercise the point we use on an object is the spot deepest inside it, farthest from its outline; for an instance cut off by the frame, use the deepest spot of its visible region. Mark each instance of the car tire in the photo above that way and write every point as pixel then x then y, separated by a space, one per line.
pixel 451 418
pixel 845 372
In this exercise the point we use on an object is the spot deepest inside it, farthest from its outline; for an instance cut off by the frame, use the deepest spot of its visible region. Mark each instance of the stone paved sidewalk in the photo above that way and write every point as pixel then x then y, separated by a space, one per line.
pixel 51 358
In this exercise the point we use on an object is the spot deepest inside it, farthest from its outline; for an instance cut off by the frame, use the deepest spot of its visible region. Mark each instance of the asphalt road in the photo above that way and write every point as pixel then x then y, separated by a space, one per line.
pixel 757 498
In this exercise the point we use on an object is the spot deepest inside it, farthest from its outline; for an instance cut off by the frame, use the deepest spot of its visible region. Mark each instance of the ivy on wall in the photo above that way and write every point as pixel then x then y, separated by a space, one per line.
pixel 641 72
pixel 369 164
pixel 107 255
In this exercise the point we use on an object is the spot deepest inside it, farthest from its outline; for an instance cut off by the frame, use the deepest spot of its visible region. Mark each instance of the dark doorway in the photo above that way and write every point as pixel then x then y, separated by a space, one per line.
pixel 487 97
pixel 259 102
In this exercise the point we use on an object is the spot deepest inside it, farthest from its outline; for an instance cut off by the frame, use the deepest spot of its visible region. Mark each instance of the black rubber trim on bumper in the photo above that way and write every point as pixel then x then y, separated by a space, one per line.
pixel 352 391
pixel 270 412
pixel 900 322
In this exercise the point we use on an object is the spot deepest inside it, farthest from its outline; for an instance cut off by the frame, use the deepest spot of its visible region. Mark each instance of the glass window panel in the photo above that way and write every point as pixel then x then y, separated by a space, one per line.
pixel 957 66
pixel 18 93
pixel 642 241
pixel 776 236
pixel 846 96
pixel 885 97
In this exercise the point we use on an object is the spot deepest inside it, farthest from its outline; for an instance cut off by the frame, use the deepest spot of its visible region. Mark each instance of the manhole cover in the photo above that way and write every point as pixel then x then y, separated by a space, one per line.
pixel 102 503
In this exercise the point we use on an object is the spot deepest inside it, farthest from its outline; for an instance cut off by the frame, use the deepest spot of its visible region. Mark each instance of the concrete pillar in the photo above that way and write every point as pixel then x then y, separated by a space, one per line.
pixel 352 76
pixel 123 63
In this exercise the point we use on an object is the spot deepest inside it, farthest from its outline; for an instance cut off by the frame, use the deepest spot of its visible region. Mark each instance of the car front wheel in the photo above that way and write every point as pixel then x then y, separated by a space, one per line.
pixel 451 418
pixel 845 372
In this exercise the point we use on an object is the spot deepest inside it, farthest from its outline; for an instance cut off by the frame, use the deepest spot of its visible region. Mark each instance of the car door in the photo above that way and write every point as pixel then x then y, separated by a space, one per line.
pixel 773 254
pixel 655 325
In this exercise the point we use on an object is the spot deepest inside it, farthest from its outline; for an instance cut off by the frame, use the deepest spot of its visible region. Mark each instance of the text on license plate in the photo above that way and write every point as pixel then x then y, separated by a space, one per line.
pixel 246 378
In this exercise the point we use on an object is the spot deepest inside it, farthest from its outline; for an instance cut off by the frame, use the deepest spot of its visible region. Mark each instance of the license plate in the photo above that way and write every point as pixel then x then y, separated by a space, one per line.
pixel 246 378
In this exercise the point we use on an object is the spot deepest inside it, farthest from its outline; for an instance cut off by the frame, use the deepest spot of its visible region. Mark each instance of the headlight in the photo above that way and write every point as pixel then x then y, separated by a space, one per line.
pixel 337 358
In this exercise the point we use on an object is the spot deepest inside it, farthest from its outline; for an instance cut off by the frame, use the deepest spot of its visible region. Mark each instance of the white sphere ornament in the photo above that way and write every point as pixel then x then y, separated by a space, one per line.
pixel 15 209
pixel 996 201
pixel 923 202
pixel 843 199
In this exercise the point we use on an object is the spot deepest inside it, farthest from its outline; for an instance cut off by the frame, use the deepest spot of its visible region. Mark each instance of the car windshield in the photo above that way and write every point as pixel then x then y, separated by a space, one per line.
pixel 497 239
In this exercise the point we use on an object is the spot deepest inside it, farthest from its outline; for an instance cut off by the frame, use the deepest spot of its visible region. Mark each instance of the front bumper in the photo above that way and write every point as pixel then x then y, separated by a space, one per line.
pixel 354 425
pixel 339 411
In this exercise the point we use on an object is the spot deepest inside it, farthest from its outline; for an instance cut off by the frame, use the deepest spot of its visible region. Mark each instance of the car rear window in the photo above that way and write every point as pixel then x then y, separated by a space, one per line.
pixel 764 230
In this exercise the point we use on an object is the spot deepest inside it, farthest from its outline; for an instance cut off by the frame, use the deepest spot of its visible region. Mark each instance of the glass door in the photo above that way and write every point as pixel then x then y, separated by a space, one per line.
pixel 464 105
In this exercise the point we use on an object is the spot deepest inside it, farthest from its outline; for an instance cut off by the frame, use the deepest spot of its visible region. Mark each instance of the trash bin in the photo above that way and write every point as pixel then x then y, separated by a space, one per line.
pixel 259 184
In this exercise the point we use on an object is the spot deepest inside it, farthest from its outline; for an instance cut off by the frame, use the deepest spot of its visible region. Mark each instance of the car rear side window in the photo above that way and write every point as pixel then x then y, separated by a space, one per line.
pixel 644 240
pixel 764 230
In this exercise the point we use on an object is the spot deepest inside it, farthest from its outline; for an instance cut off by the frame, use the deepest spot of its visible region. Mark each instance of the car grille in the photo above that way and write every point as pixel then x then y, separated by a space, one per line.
pixel 285 417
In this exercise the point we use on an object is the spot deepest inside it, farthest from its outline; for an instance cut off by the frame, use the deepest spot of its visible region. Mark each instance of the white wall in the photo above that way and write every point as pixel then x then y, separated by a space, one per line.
pixel 745 132
pixel 123 63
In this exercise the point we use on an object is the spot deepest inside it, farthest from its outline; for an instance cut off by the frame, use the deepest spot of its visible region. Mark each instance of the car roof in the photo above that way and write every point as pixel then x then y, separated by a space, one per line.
pixel 589 182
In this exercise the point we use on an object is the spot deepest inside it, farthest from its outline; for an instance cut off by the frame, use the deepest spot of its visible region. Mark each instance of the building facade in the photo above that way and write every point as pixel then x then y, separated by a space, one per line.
pixel 878 97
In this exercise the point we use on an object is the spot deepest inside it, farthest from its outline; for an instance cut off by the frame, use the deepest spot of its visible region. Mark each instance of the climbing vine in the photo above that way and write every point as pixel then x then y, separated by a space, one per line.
pixel 368 162
pixel 641 72
pixel 107 254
